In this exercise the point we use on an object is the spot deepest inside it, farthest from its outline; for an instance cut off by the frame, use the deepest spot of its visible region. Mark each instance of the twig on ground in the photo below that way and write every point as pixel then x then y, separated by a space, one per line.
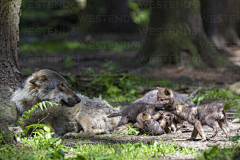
pixel 38 124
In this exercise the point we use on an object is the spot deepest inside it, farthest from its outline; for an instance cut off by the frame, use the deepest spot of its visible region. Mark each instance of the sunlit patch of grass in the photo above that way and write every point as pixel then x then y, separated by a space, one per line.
pixel 30 150
pixel 51 47
pixel 137 150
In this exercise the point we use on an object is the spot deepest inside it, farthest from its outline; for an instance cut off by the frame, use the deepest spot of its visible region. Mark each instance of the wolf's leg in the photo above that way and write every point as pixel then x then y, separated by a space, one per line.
pixel 180 126
pixel 123 129
pixel 97 131
pixel 124 120
pixel 199 128
pixel 158 115
pixel 223 125
pixel 86 123
pixel 213 124
pixel 174 127
pixel 194 134
pixel 138 125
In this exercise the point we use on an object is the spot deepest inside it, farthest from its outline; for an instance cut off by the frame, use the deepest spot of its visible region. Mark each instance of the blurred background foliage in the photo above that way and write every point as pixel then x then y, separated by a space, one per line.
pixel 62 15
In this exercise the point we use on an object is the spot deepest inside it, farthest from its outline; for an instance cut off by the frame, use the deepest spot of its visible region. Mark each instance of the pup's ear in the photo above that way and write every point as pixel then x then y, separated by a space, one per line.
pixel 37 81
pixel 160 89
pixel 168 92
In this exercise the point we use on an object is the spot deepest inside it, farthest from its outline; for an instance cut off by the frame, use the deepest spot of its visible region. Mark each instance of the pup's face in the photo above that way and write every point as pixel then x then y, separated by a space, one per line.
pixel 53 88
pixel 146 116
pixel 164 98
pixel 166 120
pixel 179 109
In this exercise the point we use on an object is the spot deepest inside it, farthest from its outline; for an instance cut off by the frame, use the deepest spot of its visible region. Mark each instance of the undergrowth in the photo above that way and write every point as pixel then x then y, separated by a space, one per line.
pixel 31 149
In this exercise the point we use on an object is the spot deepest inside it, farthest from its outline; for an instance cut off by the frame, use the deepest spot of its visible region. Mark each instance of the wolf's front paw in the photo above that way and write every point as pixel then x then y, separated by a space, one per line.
pixel 69 135
pixel 204 140
pixel 191 139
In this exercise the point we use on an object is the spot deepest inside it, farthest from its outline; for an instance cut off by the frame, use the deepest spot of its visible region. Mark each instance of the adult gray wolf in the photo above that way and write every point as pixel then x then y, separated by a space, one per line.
pixel 48 85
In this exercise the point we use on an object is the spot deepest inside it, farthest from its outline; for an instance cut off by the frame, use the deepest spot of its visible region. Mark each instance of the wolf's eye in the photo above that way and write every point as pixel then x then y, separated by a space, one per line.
pixel 161 100
pixel 62 87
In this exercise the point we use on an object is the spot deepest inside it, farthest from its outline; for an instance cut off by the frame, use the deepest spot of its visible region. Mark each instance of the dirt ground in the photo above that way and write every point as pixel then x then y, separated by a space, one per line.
pixel 178 138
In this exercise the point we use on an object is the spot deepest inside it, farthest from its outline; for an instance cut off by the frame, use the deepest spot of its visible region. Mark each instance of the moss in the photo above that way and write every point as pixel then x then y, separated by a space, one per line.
pixel 8 114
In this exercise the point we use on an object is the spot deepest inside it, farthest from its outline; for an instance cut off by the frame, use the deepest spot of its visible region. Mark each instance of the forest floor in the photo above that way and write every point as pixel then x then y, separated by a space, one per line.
pixel 94 58
pixel 177 138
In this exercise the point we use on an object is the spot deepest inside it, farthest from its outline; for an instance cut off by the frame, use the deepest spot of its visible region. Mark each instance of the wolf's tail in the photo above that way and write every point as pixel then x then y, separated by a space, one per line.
pixel 114 115
pixel 194 93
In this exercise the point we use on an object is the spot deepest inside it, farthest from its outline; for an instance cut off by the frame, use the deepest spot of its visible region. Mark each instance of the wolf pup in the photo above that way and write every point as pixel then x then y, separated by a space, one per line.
pixel 43 85
pixel 167 98
pixel 211 114
pixel 148 124
pixel 130 113
pixel 164 119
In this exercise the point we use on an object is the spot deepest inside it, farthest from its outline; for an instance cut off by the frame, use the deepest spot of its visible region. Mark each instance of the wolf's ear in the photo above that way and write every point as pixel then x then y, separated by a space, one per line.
pixel 38 80
pixel 168 92
pixel 160 89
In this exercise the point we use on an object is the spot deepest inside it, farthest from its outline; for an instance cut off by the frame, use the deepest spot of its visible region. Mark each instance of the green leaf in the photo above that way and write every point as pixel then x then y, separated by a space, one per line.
pixel 44 105
pixel 47 129
pixel 40 105
pixel 53 140
pixel 234 139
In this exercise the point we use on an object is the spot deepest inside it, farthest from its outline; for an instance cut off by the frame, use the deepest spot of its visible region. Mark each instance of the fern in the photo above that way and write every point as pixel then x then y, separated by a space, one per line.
pixel 28 113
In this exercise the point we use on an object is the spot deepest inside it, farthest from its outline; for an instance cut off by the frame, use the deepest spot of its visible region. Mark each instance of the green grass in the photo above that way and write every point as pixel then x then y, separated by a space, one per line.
pixel 216 153
pixel 126 151
pixel 52 47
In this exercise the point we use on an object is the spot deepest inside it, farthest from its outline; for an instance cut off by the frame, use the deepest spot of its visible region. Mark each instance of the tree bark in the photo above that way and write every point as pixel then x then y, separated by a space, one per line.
pixel 10 76
pixel 220 19
pixel 114 16
pixel 176 29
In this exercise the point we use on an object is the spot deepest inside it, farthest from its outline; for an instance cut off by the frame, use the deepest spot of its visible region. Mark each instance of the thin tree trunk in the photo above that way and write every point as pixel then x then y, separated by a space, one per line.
pixel 10 76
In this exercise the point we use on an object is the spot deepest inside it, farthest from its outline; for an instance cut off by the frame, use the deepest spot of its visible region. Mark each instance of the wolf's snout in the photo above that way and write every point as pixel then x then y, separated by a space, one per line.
pixel 74 101
pixel 78 99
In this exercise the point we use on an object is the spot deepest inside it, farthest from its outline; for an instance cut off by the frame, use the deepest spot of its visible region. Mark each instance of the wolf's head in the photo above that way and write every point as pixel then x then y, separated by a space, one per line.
pixel 164 97
pixel 146 116
pixel 51 86
pixel 166 120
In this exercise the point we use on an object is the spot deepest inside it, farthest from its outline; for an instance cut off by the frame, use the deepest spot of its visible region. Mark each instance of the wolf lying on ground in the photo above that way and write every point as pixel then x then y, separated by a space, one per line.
pixel 48 85
pixel 211 114
pixel 91 115
pixel 43 85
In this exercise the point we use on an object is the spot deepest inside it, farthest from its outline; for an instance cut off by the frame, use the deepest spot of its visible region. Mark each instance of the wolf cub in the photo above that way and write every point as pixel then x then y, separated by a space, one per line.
pixel 211 114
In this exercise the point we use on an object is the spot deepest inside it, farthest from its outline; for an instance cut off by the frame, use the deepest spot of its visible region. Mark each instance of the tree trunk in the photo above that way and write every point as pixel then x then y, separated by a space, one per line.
pixel 10 75
pixel 220 19
pixel 176 30
pixel 111 16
